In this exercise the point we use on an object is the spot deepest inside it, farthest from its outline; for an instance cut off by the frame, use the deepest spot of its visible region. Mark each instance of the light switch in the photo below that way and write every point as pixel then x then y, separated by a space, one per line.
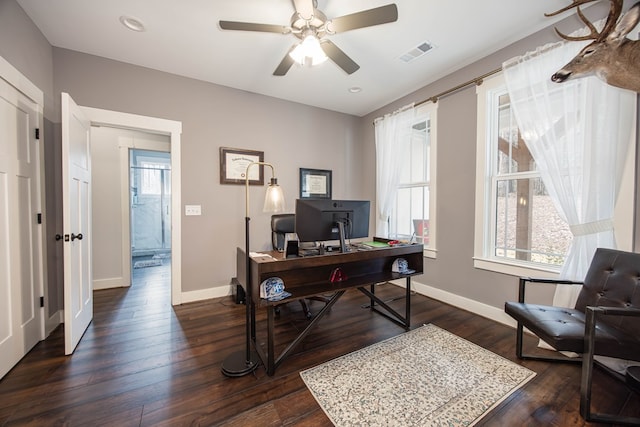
pixel 191 210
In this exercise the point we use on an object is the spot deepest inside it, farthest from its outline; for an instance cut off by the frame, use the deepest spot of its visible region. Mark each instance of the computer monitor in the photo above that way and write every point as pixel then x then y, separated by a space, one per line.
pixel 319 220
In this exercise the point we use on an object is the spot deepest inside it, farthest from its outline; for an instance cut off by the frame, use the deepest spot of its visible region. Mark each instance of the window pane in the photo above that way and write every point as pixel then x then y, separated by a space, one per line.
pixel 528 226
pixel 419 153
pixel 420 214
pixel 513 154
pixel 402 215
pixel 410 215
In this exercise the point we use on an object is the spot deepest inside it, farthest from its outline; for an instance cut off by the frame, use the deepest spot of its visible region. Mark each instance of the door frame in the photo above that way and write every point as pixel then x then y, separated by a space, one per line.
pixel 14 77
pixel 125 198
pixel 173 129
pixel 22 84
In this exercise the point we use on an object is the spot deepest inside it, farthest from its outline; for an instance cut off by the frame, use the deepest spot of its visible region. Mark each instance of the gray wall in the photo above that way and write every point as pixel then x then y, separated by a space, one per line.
pixel 291 135
pixel 453 269
pixel 25 47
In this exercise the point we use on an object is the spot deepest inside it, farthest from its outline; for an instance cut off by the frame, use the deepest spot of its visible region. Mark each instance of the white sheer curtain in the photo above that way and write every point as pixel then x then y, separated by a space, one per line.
pixel 393 137
pixel 578 133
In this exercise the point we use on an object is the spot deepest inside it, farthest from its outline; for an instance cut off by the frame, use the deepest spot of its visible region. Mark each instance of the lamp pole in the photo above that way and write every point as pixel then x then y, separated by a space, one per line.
pixel 244 362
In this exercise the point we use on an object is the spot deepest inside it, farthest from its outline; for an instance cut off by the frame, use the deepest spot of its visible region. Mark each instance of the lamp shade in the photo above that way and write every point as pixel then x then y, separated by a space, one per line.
pixel 274 198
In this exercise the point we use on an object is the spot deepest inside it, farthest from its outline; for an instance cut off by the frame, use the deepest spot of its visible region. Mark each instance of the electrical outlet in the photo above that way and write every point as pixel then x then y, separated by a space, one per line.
pixel 191 210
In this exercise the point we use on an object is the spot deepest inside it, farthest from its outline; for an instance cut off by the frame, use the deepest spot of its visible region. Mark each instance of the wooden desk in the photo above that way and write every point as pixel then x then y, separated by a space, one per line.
pixel 308 276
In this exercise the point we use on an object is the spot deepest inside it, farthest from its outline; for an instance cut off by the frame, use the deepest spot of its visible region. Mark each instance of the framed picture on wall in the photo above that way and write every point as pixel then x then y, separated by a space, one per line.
pixel 315 184
pixel 233 166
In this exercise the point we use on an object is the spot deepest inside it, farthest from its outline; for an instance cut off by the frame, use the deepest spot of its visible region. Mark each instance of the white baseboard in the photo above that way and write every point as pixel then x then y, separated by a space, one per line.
pixel 202 294
pixel 481 309
pixel 113 282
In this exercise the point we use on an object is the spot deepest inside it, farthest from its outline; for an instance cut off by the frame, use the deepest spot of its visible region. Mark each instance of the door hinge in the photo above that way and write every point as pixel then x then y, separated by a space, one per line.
pixel 39 218
pixel 41 301
pixel 37 133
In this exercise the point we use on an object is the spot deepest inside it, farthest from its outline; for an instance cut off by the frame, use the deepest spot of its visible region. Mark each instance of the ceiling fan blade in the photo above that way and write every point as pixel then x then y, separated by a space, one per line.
pixel 366 18
pixel 304 8
pixel 285 64
pixel 339 57
pixel 249 26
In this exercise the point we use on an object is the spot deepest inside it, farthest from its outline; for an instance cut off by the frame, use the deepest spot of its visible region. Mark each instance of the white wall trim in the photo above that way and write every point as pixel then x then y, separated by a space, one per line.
pixel 16 79
pixel 112 282
pixel 204 294
pixel 125 214
pixel 481 309
pixel 172 128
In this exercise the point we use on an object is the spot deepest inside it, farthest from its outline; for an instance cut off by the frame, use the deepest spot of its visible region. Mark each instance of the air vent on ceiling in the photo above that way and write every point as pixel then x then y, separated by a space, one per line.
pixel 417 52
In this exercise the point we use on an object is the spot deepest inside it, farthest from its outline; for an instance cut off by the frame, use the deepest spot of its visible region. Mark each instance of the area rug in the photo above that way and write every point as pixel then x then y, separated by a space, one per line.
pixel 425 377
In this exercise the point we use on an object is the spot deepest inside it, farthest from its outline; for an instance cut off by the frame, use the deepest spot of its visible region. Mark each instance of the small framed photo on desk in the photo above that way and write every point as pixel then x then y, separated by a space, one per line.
pixel 315 184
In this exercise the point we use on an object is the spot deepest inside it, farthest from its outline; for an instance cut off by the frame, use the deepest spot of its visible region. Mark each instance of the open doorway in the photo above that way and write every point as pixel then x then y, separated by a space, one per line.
pixel 169 132
pixel 131 215
pixel 150 211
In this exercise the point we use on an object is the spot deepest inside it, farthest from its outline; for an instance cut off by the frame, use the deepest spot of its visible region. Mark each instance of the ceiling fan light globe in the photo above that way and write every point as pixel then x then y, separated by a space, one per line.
pixel 308 52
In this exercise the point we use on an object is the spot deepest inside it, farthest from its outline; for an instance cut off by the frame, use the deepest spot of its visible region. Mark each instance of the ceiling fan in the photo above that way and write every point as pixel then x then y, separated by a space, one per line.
pixel 311 26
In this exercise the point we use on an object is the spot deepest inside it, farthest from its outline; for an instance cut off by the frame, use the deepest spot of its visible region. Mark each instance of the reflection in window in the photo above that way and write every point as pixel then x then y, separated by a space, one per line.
pixel 410 216
pixel 526 225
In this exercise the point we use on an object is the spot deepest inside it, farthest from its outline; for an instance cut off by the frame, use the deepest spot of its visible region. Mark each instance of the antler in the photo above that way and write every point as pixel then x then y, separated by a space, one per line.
pixel 612 18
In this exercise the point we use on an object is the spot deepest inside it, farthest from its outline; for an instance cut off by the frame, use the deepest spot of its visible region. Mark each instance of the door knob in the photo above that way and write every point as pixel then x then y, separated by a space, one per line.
pixel 76 236
pixel 58 237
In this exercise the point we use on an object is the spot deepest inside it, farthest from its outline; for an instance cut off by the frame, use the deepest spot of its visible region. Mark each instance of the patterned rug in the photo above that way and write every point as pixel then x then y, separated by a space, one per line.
pixel 425 377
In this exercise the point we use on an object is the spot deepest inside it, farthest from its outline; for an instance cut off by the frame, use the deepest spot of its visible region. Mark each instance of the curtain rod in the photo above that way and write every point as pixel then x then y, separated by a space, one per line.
pixel 478 81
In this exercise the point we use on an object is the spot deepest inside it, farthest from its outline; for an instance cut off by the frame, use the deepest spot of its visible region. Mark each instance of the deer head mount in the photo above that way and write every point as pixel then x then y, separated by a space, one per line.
pixel 611 56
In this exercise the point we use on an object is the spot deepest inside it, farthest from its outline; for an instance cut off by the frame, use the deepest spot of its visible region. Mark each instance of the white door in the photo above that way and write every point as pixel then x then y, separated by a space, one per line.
pixel 20 243
pixel 76 212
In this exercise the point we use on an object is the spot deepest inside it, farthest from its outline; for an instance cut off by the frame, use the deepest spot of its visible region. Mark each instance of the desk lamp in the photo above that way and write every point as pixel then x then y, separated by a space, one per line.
pixel 244 362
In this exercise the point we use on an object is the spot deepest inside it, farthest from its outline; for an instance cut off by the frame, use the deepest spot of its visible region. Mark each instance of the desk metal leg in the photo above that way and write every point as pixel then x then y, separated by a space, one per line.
pixel 372 302
pixel 391 314
pixel 408 304
pixel 274 364
pixel 270 350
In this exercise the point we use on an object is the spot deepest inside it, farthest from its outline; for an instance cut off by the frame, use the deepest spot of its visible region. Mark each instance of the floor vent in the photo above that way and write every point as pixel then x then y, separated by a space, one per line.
pixel 416 52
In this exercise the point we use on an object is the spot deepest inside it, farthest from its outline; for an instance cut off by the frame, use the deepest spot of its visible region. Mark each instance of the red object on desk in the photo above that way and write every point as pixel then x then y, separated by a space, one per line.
pixel 337 275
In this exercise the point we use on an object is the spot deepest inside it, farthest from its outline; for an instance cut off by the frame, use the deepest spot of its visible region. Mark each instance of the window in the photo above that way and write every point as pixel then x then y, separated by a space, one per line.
pixel 517 223
pixel 151 178
pixel 413 213
pixel 150 174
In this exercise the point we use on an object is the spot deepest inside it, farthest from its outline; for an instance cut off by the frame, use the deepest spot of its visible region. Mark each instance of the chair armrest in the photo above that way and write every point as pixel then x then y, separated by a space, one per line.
pixel 591 313
pixel 614 311
pixel 524 280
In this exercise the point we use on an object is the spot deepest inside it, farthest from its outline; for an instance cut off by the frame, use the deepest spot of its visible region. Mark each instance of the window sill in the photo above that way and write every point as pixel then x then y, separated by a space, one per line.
pixel 513 269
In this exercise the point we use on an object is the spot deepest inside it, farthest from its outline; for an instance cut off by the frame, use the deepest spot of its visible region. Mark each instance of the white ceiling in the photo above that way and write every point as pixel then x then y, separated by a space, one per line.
pixel 183 37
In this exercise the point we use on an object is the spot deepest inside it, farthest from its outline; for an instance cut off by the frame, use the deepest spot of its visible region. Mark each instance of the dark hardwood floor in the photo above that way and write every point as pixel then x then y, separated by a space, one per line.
pixel 142 362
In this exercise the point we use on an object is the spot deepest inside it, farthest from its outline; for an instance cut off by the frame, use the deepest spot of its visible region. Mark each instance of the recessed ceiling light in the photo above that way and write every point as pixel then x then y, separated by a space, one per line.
pixel 355 89
pixel 131 23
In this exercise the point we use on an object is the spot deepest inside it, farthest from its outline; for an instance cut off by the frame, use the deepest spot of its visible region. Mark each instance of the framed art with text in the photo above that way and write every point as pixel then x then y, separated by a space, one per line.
pixel 315 184
pixel 233 166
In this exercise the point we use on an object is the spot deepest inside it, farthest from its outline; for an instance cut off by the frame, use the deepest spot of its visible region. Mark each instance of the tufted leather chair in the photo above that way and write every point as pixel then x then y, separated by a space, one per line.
pixel 605 320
